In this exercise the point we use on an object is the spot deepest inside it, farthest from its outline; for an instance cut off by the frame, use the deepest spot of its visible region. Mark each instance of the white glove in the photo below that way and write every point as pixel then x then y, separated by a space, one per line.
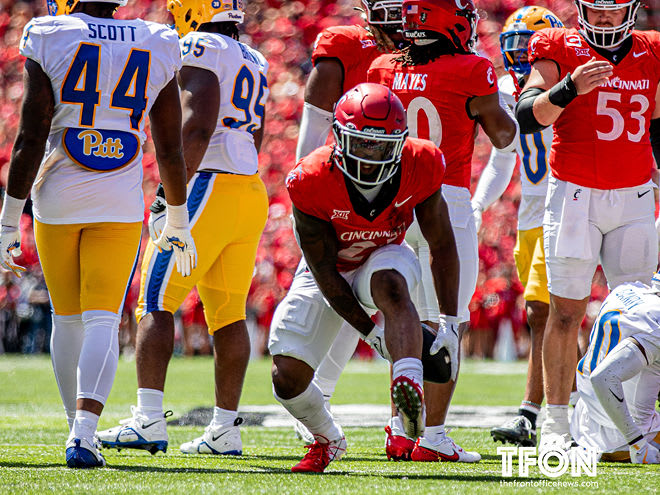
pixel 644 452
pixel 477 213
pixel 376 340
pixel 10 247
pixel 176 235
pixel 157 218
pixel 447 337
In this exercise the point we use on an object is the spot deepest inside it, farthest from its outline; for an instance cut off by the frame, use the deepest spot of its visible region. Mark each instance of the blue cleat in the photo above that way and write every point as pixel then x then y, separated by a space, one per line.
pixel 82 454
pixel 137 432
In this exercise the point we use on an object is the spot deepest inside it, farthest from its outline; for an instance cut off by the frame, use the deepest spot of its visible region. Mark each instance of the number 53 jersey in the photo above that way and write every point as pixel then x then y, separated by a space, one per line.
pixel 105 76
pixel 602 138
pixel 241 73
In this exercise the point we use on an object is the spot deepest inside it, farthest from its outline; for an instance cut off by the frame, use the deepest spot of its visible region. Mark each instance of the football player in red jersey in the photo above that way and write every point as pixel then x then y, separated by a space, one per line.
pixel 447 91
pixel 598 86
pixel 352 204
pixel 341 57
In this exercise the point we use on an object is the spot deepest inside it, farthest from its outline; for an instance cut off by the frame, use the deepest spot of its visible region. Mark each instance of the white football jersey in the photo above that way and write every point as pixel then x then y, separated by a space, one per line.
pixel 534 151
pixel 631 310
pixel 241 73
pixel 105 74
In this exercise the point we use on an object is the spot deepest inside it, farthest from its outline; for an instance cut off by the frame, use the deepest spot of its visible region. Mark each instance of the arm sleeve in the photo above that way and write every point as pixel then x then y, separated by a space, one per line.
pixel 314 129
pixel 622 363
pixel 494 178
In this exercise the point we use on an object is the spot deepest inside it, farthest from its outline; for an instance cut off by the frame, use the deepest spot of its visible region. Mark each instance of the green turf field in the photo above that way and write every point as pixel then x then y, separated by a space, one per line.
pixel 33 431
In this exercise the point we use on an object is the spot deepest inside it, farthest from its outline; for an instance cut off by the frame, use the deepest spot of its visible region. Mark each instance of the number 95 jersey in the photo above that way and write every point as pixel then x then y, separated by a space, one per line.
pixel 602 138
pixel 105 76
pixel 241 73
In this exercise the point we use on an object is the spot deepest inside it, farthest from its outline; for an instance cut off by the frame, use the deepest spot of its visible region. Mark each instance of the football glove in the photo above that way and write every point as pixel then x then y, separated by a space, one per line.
pixel 176 236
pixel 643 452
pixel 158 214
pixel 376 340
pixel 447 338
pixel 10 247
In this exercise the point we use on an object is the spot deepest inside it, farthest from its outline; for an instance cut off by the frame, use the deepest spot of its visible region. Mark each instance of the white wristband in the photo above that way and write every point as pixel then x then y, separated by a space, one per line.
pixel 449 319
pixel 177 216
pixel 12 208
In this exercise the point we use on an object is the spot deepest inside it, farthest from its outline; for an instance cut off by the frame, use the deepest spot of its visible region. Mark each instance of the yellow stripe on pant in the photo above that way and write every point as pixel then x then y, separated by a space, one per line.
pixel 227 214
pixel 530 263
pixel 87 266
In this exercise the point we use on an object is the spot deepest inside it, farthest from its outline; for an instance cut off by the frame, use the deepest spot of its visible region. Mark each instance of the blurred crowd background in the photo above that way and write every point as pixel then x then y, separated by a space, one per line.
pixel 284 31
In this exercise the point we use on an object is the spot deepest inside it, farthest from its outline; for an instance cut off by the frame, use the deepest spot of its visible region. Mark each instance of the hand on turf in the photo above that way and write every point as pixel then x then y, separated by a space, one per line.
pixel 644 452
pixel 447 337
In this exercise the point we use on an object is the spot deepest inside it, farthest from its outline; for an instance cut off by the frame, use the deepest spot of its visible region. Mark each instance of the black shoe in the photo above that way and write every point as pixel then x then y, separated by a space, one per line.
pixel 518 431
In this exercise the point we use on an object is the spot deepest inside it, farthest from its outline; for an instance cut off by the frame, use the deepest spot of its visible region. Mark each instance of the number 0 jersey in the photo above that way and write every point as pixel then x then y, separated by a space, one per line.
pixel 631 310
pixel 602 138
pixel 105 75
pixel 318 188
pixel 241 73
pixel 533 151
pixel 435 96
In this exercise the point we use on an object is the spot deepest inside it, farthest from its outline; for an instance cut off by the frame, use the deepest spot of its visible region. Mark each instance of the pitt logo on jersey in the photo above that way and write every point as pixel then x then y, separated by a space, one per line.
pixel 410 82
pixel 100 150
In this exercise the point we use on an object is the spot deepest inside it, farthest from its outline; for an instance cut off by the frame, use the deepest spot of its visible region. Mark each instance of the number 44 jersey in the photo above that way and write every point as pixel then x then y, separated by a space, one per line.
pixel 602 137
pixel 241 73
pixel 105 76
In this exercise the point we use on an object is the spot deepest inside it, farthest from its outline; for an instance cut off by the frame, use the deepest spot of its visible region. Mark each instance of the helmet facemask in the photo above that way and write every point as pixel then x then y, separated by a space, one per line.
pixel 356 149
pixel 384 13
pixel 605 36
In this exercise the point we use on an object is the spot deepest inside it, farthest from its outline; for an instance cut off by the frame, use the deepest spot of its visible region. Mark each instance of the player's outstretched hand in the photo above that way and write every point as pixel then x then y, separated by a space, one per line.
pixel 176 236
pixel 644 452
pixel 447 337
pixel 10 247
pixel 591 75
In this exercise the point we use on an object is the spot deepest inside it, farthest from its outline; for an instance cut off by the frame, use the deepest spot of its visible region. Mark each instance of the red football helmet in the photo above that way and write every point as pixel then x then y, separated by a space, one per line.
pixel 425 20
pixel 370 129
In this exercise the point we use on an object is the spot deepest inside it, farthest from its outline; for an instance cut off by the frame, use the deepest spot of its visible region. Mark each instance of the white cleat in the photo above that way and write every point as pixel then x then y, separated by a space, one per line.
pixel 555 442
pixel 303 433
pixel 83 454
pixel 217 441
pixel 137 432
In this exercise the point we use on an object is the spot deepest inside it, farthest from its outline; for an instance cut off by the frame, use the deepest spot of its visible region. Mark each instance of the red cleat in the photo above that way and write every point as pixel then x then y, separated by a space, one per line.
pixel 408 397
pixel 398 448
pixel 446 451
pixel 319 456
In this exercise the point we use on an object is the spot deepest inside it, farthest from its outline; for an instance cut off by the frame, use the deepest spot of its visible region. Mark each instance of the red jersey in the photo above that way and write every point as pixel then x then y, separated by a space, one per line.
pixel 318 188
pixel 353 46
pixel 435 96
pixel 601 139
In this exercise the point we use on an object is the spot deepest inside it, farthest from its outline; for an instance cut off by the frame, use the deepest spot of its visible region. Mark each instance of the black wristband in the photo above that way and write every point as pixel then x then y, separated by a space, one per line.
pixel 634 441
pixel 564 92
pixel 525 111
pixel 160 191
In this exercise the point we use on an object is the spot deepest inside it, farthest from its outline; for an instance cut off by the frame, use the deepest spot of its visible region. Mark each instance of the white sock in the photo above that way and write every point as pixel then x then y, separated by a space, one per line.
pixel 98 358
pixel 328 373
pixel 65 343
pixel 556 419
pixel 309 409
pixel 410 367
pixel 84 426
pixel 434 434
pixel 150 402
pixel 223 417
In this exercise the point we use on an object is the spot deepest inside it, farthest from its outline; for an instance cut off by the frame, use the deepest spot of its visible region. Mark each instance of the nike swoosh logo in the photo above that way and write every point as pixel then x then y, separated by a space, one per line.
pixel 637 55
pixel 147 425
pixel 216 438
pixel 616 396
pixel 639 195
pixel 397 204
pixel 450 458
